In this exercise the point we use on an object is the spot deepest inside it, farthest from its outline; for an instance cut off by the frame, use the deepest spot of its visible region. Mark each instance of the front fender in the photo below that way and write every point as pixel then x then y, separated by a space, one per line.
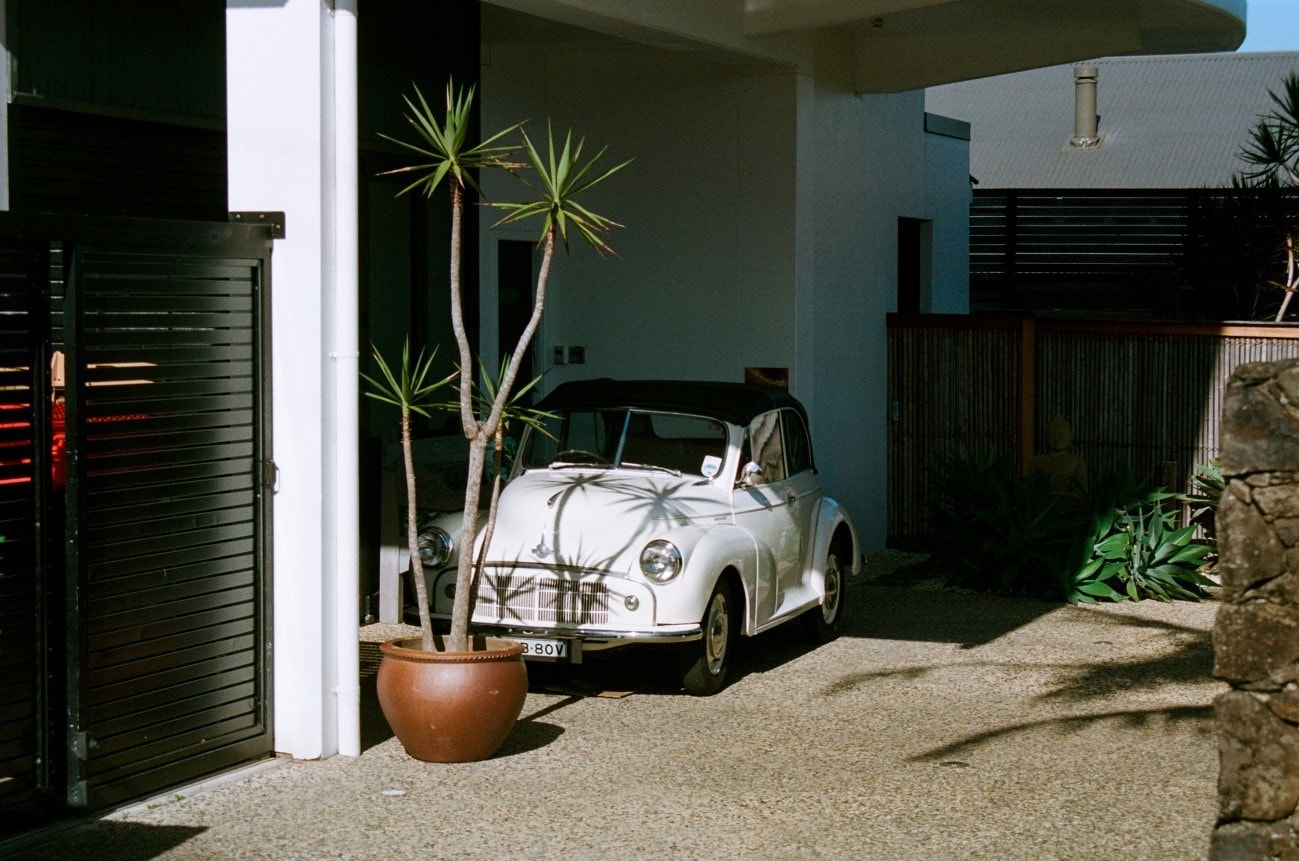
pixel 706 553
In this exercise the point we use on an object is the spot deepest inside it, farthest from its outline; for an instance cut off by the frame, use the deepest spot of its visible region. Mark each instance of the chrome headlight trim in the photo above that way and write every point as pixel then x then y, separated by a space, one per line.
pixel 435 546
pixel 660 561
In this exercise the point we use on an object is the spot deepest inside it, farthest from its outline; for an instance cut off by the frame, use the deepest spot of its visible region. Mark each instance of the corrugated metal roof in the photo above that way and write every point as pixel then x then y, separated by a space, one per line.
pixel 1166 121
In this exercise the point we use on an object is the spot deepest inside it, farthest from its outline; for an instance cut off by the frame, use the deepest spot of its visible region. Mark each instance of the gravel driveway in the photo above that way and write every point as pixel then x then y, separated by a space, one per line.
pixel 940 726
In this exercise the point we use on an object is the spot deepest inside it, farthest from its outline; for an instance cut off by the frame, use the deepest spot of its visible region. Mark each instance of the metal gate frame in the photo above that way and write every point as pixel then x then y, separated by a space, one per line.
pixel 63 285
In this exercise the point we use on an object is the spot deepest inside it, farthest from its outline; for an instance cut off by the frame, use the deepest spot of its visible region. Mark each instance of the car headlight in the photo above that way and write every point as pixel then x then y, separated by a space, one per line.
pixel 660 561
pixel 434 546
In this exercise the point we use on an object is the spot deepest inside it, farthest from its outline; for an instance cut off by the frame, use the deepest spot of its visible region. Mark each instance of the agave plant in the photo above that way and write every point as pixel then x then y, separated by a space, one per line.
pixel 1134 549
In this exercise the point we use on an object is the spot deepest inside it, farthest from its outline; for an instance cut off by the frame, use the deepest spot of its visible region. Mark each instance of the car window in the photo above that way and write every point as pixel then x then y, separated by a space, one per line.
pixel 639 439
pixel 590 431
pixel 766 448
pixel 798 448
pixel 674 441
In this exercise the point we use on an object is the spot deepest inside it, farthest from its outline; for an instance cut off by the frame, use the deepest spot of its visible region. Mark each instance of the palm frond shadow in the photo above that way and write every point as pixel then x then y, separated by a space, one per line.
pixel 1102 673
pixel 1201 717
pixel 655 504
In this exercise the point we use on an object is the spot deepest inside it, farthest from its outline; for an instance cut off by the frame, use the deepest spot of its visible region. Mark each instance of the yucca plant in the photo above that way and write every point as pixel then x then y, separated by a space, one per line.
pixel 1273 151
pixel 516 410
pixel 560 176
pixel 411 388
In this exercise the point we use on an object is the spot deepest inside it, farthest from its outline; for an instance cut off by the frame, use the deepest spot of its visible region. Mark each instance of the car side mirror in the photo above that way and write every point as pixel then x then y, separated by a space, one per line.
pixel 749 474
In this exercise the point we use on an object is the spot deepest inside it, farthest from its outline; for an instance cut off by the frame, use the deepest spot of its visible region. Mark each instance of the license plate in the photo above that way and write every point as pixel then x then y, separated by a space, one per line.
pixel 554 650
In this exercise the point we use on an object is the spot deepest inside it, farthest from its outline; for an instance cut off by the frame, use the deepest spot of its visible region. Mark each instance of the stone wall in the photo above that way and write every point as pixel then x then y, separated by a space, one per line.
pixel 1256 635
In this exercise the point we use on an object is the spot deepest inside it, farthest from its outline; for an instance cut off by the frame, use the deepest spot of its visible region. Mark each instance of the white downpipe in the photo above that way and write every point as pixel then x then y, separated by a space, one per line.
pixel 345 359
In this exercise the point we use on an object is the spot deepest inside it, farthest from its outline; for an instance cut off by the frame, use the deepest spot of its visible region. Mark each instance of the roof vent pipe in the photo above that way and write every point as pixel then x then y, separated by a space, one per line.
pixel 1085 120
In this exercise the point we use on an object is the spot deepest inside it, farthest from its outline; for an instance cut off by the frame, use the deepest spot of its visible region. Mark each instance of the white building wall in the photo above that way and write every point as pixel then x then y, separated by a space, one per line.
pixel 700 286
pixel 864 160
pixel 947 198
pixel 286 153
pixel 761 230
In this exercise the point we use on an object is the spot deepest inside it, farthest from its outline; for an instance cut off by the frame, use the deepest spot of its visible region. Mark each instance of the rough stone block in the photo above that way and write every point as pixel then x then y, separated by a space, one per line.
pixel 1287 381
pixel 1285 705
pixel 1278 500
pixel 1242 841
pixel 1258 756
pixel 1249 551
pixel 1250 373
pixel 1287 530
pixel 1256 642
pixel 1259 433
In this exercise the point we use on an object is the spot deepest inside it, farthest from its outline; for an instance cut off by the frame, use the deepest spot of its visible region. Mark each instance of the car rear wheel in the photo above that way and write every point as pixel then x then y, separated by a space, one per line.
pixel 822 622
pixel 704 662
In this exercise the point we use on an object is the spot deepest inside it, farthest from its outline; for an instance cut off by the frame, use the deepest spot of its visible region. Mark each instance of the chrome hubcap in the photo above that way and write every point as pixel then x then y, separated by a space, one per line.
pixel 830 603
pixel 716 633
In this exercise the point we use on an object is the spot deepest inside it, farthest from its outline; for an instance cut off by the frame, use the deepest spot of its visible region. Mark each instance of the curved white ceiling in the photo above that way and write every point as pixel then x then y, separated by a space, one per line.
pixel 897 45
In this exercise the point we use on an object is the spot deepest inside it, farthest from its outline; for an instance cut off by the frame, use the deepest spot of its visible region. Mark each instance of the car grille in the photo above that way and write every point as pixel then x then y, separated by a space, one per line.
pixel 553 600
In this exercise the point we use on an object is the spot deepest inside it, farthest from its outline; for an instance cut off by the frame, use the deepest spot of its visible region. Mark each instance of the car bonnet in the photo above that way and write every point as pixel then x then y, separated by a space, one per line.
pixel 597 519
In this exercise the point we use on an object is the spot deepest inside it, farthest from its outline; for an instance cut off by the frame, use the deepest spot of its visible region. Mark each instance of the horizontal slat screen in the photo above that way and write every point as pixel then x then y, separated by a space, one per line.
pixel 1145 250
pixel 170 449
pixel 19 584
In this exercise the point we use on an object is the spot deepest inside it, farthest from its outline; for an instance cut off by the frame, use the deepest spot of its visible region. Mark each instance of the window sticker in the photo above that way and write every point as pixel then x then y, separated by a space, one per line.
pixel 711 466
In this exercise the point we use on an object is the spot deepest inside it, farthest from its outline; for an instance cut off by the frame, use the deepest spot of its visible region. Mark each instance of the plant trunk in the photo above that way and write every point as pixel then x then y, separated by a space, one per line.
pixel 498 458
pixel 468 422
pixel 1291 282
pixel 469 570
pixel 464 599
pixel 412 539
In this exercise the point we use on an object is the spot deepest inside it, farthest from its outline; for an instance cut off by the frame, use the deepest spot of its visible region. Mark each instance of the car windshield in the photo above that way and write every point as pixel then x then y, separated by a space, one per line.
pixel 631 439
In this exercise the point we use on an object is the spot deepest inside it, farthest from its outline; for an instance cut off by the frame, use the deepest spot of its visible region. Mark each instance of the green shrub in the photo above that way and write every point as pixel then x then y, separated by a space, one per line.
pixel 999 531
pixel 1002 532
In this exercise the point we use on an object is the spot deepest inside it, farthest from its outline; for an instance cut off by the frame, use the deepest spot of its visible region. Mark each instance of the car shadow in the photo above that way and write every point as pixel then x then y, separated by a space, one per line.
pixel 887 611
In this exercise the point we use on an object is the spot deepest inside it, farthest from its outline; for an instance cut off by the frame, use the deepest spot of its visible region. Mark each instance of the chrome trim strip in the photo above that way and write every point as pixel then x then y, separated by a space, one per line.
pixel 594 641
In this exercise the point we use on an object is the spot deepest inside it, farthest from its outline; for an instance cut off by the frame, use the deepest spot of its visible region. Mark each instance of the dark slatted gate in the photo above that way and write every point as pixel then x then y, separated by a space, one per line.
pixel 157 580
pixel 23 325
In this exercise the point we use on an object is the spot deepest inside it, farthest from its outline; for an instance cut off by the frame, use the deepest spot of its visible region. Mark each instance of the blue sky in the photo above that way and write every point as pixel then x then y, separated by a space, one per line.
pixel 1271 25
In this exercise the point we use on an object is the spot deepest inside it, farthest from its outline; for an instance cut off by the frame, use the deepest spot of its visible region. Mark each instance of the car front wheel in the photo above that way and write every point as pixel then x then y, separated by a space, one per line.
pixel 822 622
pixel 704 662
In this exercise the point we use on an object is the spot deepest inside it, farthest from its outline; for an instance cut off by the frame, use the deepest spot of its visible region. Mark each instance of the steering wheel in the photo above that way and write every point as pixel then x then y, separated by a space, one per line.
pixel 579 455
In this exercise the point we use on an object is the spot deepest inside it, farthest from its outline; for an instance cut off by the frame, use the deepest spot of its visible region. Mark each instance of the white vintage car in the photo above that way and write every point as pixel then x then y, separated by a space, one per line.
pixel 681 513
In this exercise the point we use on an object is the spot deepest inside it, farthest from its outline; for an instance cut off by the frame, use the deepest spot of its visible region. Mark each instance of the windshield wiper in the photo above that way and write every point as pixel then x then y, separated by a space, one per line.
pixel 565 464
pixel 666 469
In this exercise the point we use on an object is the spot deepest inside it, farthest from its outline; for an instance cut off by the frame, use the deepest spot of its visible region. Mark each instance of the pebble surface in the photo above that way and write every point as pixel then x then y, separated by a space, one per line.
pixel 940 725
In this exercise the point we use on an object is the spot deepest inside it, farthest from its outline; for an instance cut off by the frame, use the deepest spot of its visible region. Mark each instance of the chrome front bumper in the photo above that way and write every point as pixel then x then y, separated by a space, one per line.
pixel 592 640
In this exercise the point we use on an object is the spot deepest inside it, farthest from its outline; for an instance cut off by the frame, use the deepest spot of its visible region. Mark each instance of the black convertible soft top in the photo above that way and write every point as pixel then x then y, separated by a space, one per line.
pixel 738 403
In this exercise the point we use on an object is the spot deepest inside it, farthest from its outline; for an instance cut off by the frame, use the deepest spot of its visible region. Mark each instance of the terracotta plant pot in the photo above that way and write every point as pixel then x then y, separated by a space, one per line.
pixel 452 706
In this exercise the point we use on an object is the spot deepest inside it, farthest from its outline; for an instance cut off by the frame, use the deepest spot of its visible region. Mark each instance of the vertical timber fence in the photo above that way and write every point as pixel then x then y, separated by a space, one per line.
pixel 1140 396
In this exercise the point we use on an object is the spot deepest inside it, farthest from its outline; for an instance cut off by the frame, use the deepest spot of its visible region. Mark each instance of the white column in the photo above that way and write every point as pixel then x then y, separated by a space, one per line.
pixel 278 113
pixel 343 495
